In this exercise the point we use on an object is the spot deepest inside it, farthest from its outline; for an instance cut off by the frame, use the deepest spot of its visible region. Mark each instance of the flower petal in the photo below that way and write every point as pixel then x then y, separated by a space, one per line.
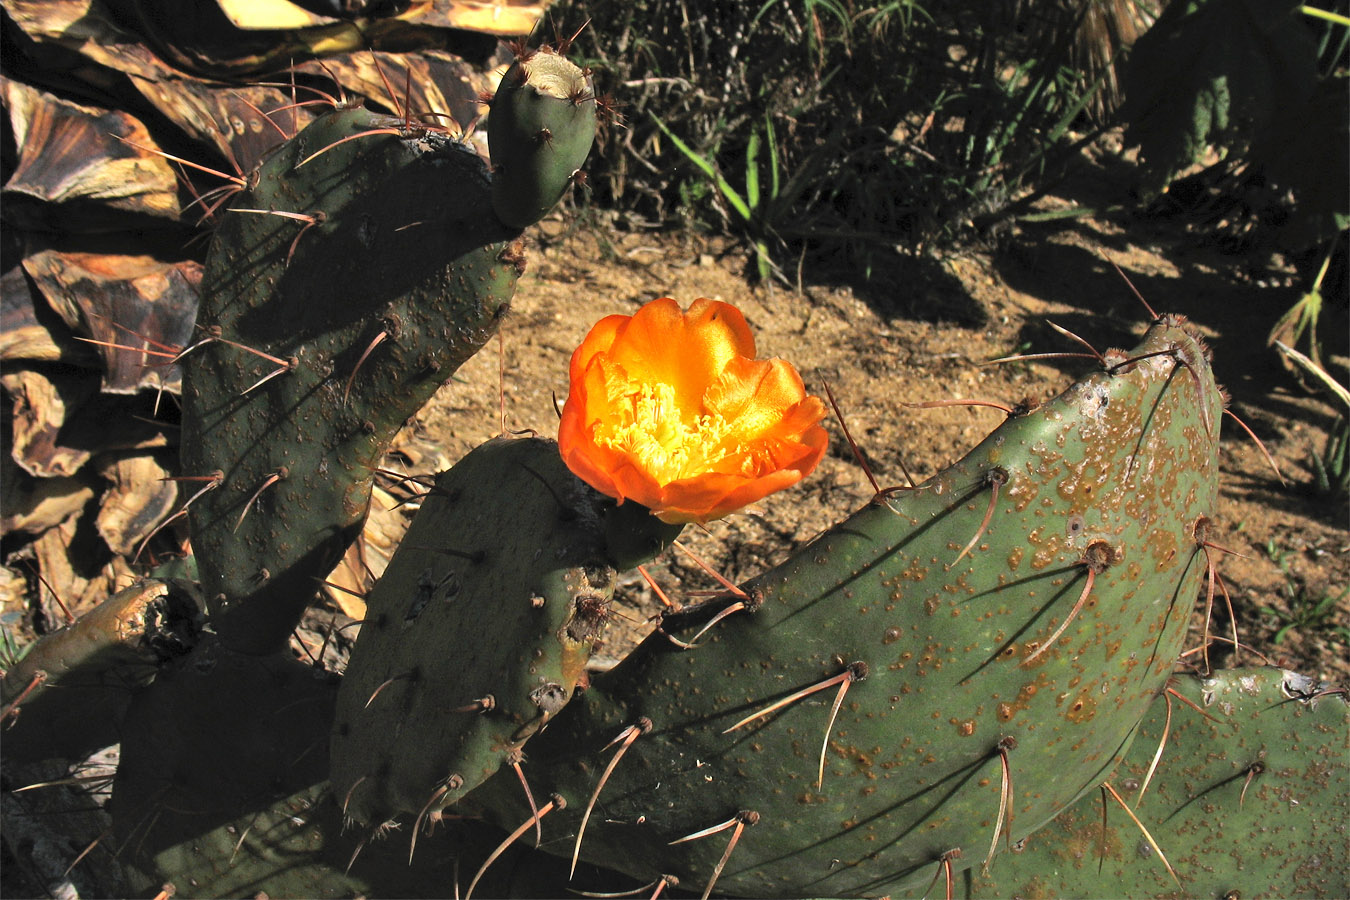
pixel 802 421
pixel 706 497
pixel 703 498
pixel 685 350
pixel 755 395
pixel 595 406
pixel 599 339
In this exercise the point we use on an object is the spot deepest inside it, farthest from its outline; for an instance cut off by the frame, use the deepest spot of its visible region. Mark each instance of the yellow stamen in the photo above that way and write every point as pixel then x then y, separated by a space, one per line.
pixel 652 428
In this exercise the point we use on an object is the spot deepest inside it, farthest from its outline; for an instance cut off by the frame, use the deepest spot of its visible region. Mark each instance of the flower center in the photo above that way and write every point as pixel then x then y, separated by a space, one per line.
pixel 648 425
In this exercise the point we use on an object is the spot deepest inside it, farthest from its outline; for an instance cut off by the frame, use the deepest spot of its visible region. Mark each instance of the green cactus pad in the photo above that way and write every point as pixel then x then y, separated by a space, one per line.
pixel 540 131
pixel 1104 482
pixel 499 590
pixel 400 273
pixel 1280 833
pixel 293 847
pixel 222 792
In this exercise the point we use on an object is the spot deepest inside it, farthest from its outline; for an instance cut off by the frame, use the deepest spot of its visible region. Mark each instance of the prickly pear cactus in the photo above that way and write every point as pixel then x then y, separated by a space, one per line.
pixel 540 131
pixel 292 847
pixel 1015 614
pixel 359 269
pixel 479 631
pixel 1250 798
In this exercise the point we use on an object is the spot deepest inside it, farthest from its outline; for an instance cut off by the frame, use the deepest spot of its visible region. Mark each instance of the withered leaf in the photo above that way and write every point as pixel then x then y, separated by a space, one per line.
pixel 41 407
pixel 77 573
pixel 432 87
pixel 233 120
pixel 503 17
pixel 138 500
pixel 60 419
pixel 71 155
pixel 33 505
pixel 130 301
pixel 31 330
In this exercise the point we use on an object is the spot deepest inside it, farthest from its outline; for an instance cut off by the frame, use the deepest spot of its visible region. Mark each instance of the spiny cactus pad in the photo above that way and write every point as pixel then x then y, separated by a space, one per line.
pixel 1253 801
pixel 478 632
pixel 396 272
pixel 1094 496
pixel 297 847
pixel 293 848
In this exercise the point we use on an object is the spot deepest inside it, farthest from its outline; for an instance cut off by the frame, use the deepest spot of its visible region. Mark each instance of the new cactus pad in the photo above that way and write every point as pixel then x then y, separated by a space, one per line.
pixel 540 131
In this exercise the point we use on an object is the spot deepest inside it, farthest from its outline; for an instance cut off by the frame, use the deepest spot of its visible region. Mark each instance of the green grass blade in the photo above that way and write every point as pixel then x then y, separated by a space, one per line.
pixel 1328 15
pixel 737 202
pixel 752 171
pixel 773 158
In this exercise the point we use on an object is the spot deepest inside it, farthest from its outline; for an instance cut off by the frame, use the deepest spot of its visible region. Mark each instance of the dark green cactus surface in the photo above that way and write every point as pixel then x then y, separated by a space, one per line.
pixel 218 736
pixel 400 273
pixel 478 632
pixel 540 130
pixel 1101 487
pixel 291 848
pixel 223 793
pixel 1253 802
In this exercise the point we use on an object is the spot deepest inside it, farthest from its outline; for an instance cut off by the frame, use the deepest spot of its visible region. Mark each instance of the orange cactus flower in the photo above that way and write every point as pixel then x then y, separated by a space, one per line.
pixel 671 409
